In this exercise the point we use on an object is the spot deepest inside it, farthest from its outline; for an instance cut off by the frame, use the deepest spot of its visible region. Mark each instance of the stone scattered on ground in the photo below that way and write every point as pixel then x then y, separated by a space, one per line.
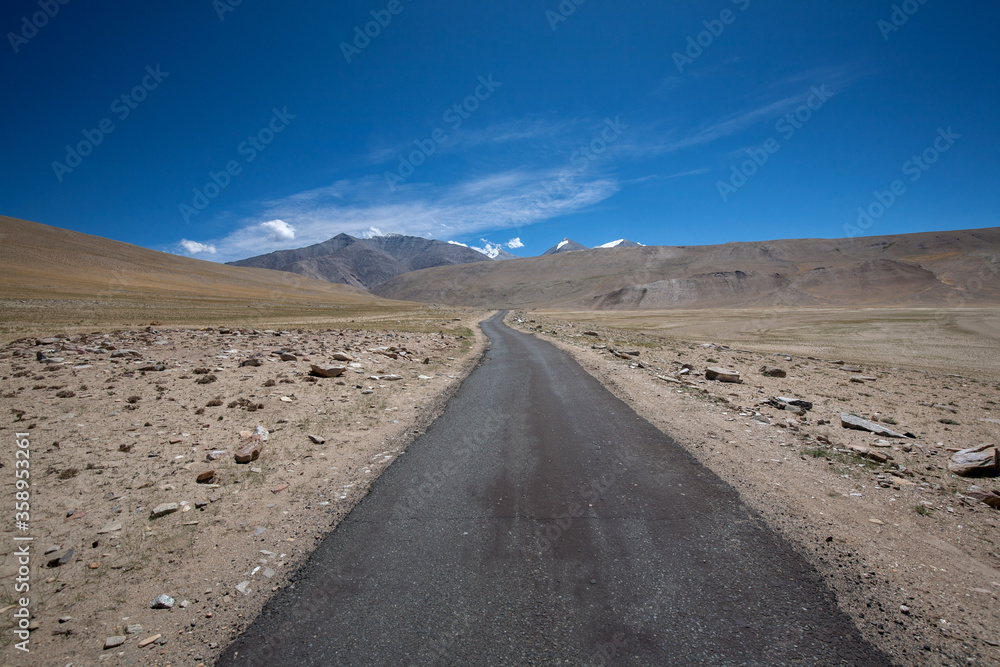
pixel 859 424
pixel 722 375
pixel 114 642
pixel 163 510
pixel 162 602
pixel 327 371
pixel 981 461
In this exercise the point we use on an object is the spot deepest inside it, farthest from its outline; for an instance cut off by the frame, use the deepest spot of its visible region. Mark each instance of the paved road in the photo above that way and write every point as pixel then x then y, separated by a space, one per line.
pixel 541 521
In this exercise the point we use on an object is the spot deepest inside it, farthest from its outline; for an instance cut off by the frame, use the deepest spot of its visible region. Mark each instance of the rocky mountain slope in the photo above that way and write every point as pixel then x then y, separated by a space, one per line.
pixel 365 262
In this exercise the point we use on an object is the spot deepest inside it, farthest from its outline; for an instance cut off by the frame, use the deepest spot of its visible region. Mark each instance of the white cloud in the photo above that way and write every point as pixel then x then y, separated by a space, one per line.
pixel 279 230
pixel 366 208
pixel 515 243
pixel 490 250
pixel 196 248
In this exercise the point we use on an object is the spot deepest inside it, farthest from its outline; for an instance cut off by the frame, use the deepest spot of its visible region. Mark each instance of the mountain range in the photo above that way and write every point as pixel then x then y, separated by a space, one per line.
pixel 369 262
pixel 960 268
pixel 954 269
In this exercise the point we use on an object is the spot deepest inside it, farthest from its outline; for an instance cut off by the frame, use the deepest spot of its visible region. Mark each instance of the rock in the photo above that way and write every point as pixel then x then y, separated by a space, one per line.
pixel 163 510
pixel 340 356
pixel 207 477
pixel 903 609
pixel 859 424
pixel 254 361
pixel 785 403
pixel 62 560
pixel 155 368
pixel 133 629
pixel 591 333
pixel 327 371
pixel 850 369
pixel 110 528
pixel 288 356
pixel 162 602
pixel 250 449
pixel 978 461
pixel 252 446
pixel 864 452
pixel 216 454
pixel 149 640
pixel 243 587
pixel 863 378
pixel 390 378
pixel 991 498
pixel 114 642
pixel 279 489
pixel 119 354
pixel 722 375
pixel 317 440
pixel 773 372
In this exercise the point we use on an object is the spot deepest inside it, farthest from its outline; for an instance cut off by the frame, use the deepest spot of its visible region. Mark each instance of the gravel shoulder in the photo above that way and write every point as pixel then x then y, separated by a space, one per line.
pixel 911 557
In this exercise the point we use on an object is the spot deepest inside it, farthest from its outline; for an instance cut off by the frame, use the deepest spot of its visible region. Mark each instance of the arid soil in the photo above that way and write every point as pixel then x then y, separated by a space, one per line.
pixel 110 442
pixel 909 554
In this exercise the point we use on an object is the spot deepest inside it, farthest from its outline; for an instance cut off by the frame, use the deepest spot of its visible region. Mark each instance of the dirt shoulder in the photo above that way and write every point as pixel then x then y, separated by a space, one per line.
pixel 910 556
pixel 121 423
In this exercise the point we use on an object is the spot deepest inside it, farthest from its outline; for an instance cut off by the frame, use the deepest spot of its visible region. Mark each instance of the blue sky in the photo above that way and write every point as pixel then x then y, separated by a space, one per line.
pixel 222 130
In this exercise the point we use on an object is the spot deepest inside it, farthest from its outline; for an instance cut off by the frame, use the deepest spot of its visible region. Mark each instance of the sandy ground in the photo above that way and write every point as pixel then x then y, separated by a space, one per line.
pixel 912 558
pixel 109 442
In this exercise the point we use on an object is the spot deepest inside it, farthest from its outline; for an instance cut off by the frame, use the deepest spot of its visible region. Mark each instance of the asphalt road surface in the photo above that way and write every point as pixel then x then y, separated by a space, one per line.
pixel 541 521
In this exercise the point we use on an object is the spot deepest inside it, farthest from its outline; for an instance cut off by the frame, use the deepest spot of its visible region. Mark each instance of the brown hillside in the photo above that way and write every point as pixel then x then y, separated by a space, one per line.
pixel 927 269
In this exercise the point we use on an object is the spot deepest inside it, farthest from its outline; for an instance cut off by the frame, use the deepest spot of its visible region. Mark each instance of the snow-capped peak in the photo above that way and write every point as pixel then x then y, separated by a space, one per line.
pixel 562 243
pixel 613 244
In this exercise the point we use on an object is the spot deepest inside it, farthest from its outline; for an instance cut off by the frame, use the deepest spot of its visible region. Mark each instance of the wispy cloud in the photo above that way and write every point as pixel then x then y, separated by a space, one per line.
pixel 495 201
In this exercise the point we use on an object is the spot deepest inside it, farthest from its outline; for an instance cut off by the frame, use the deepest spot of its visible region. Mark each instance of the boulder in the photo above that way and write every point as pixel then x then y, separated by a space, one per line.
pixel 978 461
pixel 253 361
pixel 773 372
pixel 324 371
pixel 859 424
pixel 723 375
